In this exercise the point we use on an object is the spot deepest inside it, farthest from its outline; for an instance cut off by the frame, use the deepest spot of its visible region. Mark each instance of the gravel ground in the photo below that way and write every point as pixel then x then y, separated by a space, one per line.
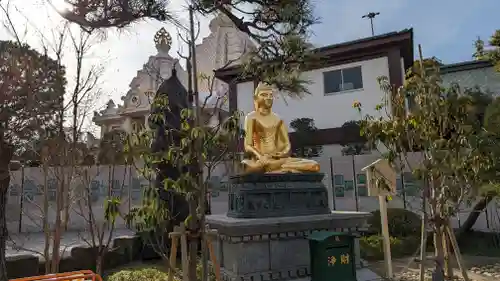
pixel 480 269
pixel 412 275
pixel 490 270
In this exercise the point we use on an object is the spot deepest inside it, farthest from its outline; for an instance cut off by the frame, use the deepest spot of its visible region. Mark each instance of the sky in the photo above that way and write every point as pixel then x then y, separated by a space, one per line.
pixel 446 29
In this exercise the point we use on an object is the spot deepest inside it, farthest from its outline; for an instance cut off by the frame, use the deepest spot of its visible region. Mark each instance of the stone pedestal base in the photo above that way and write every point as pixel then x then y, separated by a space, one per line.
pixel 273 248
pixel 277 195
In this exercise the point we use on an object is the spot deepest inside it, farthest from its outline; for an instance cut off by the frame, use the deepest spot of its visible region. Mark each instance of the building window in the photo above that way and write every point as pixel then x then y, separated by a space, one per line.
pixel 361 185
pixel 346 79
pixel 339 185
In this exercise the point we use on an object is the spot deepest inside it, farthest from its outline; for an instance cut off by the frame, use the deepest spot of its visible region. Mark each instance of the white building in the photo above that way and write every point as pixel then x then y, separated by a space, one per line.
pixel 225 45
pixel 348 72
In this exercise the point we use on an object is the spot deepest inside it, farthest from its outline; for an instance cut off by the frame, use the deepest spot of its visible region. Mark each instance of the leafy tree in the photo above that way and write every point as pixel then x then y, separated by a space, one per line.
pixel 79 152
pixel 303 128
pixel 488 192
pixel 492 53
pixel 190 145
pixel 455 153
pixel 353 148
pixel 492 115
pixel 31 90
pixel 486 111
pixel 112 148
pixel 279 28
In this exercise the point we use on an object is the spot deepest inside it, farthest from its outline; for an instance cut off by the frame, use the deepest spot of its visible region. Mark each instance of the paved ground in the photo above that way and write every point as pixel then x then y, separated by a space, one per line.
pixel 479 268
pixel 33 243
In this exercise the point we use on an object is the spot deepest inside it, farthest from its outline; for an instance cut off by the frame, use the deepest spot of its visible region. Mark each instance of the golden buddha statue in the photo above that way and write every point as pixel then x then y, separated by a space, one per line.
pixel 266 139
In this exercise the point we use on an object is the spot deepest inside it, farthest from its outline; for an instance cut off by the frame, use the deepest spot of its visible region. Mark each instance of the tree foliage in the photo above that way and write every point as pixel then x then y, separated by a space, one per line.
pixel 112 148
pixel 60 152
pixel 458 154
pixel 280 29
pixel 216 142
pixel 304 127
pixel 353 148
pixel 31 93
pixel 492 53
pixel 190 151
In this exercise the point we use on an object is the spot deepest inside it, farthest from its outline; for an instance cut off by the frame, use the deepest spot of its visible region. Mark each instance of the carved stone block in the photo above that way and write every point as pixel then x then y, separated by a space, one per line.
pixel 277 195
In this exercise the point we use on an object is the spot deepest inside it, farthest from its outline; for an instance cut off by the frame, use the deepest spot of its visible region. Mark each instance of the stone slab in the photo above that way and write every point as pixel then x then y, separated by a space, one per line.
pixel 246 227
pixel 362 274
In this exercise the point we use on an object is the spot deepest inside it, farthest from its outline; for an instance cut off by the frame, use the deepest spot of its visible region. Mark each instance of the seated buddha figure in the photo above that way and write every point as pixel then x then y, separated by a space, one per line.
pixel 267 141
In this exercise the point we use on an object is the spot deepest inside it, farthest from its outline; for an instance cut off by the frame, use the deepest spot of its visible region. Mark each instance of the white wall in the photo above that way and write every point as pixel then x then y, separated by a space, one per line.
pixel 488 221
pixel 128 187
pixel 343 165
pixel 328 111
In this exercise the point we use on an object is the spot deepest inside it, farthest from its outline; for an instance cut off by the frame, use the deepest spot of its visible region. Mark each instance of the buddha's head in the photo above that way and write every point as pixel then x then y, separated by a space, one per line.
pixel 263 96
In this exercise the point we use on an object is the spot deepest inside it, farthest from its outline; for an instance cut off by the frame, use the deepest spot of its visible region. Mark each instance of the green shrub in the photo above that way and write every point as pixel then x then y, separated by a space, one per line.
pixel 211 272
pixel 140 274
pixel 153 274
pixel 371 247
pixel 402 223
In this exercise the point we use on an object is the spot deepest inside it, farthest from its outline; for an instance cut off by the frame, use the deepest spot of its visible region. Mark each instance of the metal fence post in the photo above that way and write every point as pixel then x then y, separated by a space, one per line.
pixel 354 182
pixel 334 189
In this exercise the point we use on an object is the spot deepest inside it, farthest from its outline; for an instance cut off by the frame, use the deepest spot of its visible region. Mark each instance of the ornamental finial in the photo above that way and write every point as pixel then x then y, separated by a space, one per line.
pixel 163 40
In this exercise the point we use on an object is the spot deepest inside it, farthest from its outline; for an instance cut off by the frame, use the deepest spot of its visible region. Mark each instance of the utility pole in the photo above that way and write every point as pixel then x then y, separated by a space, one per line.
pixel 371 16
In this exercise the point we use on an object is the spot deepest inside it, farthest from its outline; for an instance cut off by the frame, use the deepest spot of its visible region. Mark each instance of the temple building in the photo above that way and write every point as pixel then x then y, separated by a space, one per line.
pixel 225 45
pixel 471 74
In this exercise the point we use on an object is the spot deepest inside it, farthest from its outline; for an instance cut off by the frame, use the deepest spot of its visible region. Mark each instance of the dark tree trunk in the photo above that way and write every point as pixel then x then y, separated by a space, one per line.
pixel 473 216
pixel 5 158
pixel 4 185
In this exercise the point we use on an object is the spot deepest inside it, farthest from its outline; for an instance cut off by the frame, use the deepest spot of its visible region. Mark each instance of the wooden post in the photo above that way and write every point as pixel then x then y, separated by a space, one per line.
pixel 213 258
pixel 385 235
pixel 184 253
pixel 332 184
pixel 456 250
pixel 448 267
pixel 180 231
pixel 173 255
pixel 381 179
pixel 423 233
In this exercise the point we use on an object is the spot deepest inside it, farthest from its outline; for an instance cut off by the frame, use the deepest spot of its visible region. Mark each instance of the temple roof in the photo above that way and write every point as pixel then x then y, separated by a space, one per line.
pixel 224 44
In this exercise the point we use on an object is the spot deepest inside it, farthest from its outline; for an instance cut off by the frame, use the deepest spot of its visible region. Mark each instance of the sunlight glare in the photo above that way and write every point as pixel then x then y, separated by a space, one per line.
pixel 60 6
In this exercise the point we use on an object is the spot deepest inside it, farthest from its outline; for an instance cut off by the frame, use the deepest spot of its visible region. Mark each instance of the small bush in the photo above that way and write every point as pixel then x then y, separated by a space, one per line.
pixel 142 274
pixel 371 247
pixel 154 274
pixel 402 223
pixel 211 272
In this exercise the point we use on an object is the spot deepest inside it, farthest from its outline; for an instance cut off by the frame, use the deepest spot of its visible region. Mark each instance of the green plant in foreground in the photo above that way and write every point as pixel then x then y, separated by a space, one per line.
pixel 402 223
pixel 372 247
pixel 143 274
pixel 154 274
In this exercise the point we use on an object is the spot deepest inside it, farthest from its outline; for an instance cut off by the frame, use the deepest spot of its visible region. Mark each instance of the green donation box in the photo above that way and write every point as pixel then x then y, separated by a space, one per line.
pixel 332 256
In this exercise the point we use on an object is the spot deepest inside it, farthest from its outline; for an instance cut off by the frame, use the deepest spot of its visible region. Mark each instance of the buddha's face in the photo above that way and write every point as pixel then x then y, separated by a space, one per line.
pixel 265 99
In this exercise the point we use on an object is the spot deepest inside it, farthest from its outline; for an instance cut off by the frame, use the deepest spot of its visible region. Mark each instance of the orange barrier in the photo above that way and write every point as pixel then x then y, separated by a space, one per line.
pixel 80 275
